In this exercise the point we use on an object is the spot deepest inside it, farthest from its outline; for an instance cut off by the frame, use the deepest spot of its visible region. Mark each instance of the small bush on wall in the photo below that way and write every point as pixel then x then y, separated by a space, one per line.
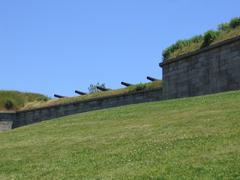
pixel 8 104
pixel 224 27
pixel 93 88
pixel 235 22
pixel 209 37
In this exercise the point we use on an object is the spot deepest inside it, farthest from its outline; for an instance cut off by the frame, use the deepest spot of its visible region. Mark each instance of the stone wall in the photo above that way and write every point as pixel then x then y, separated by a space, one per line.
pixel 6 120
pixel 205 71
pixel 22 118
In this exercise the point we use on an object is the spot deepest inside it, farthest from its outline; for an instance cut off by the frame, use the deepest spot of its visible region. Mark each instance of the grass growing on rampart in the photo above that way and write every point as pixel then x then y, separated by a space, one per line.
pixel 225 31
pixel 14 100
pixel 130 89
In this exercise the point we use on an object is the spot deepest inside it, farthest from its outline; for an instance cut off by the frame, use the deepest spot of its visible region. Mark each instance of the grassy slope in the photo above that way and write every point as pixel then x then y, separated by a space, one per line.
pixel 19 99
pixel 177 139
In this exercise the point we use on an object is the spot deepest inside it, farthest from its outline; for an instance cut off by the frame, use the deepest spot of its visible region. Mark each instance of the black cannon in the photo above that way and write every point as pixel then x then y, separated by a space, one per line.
pixel 80 92
pixel 102 88
pixel 126 84
pixel 152 79
pixel 59 96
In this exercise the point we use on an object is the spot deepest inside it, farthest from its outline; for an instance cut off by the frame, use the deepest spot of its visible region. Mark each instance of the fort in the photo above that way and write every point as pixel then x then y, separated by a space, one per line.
pixel 208 70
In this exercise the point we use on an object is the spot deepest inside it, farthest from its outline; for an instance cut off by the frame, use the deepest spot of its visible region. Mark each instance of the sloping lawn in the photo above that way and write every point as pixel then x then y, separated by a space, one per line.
pixel 192 138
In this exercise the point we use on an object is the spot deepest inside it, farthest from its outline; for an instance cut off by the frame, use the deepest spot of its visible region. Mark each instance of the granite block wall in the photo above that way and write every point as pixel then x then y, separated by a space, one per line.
pixel 6 120
pixel 36 115
pixel 205 71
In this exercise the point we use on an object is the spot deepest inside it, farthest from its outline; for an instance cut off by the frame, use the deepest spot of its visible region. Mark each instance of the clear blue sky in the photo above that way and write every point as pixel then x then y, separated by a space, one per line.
pixel 57 46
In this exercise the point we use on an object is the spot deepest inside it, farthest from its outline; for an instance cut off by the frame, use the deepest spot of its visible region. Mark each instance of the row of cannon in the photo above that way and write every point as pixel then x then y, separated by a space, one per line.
pixel 105 89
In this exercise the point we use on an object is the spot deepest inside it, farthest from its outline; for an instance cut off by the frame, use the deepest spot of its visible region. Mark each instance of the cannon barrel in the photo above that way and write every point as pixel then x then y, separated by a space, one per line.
pixel 152 79
pixel 102 88
pixel 80 92
pixel 126 84
pixel 58 96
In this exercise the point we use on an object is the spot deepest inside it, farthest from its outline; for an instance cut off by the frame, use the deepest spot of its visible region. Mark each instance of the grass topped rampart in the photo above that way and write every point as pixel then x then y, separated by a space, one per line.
pixel 130 89
pixel 27 101
pixel 225 31
pixel 15 100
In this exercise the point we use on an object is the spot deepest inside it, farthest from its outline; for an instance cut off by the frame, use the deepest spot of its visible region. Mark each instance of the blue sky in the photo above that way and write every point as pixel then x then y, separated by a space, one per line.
pixel 57 46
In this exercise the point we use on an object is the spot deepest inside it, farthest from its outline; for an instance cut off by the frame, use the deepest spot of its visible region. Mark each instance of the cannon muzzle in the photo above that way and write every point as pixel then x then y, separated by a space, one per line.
pixel 59 96
pixel 152 79
pixel 80 92
pixel 126 84
pixel 102 88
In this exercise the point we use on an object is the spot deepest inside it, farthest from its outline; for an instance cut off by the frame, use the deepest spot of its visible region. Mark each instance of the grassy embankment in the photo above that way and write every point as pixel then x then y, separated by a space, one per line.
pixel 14 100
pixel 225 31
pixel 25 101
pixel 129 89
pixel 191 138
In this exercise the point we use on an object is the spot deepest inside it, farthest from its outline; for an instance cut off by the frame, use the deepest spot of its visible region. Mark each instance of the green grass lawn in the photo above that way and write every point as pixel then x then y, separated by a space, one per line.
pixel 192 138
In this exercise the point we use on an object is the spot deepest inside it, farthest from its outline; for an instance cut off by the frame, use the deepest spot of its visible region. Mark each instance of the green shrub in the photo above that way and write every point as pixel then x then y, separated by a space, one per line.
pixel 181 44
pixel 224 27
pixel 196 39
pixel 8 104
pixel 93 88
pixel 209 37
pixel 178 45
pixel 235 22
pixel 166 53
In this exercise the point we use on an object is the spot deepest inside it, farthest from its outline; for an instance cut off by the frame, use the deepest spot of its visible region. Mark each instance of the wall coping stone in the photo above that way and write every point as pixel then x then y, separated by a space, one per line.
pixel 196 52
